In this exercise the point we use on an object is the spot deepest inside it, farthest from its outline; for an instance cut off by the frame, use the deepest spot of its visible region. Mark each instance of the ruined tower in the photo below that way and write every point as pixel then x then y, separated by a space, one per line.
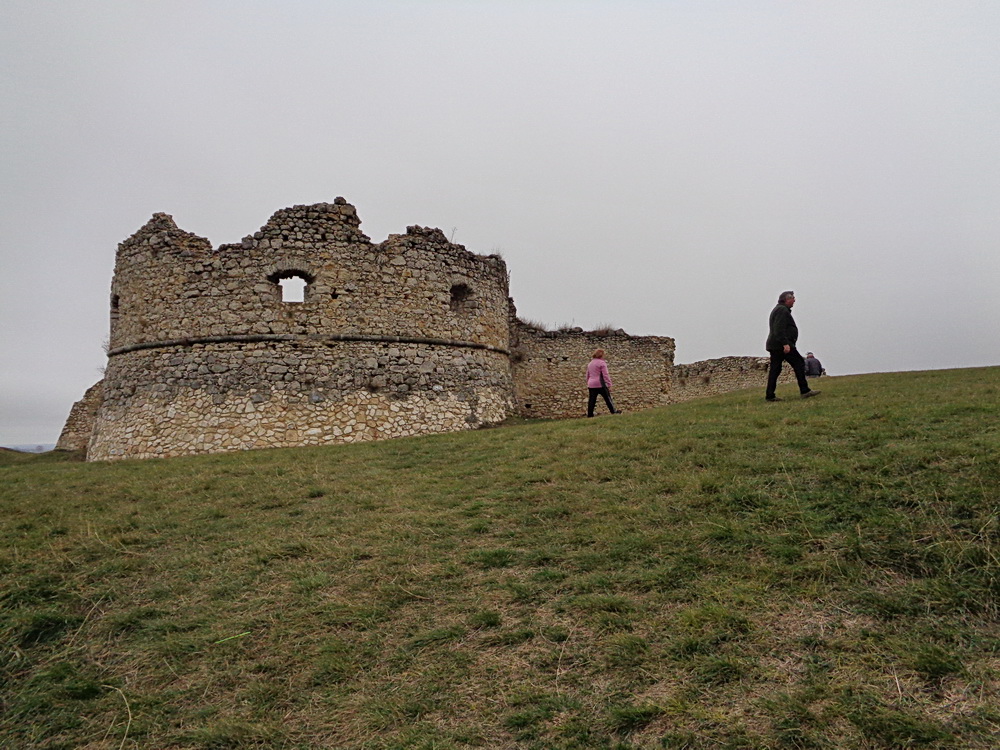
pixel 207 353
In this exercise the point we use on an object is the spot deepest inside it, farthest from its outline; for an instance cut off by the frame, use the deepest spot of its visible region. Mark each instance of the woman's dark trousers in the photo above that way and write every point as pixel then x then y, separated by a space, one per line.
pixel 607 399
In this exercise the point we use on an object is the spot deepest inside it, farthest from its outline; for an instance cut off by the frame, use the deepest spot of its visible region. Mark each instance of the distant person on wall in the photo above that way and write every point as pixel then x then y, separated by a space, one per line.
pixel 599 382
pixel 814 368
pixel 781 338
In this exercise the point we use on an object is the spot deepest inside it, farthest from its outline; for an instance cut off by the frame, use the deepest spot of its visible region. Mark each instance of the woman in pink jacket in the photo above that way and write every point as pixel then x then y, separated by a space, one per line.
pixel 599 382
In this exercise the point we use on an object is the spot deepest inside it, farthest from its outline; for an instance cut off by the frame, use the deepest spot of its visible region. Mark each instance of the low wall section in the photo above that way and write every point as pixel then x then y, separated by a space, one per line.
pixel 549 369
pixel 710 377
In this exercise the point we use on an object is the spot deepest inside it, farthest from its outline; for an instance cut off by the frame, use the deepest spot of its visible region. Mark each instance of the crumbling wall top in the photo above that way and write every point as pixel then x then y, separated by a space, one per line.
pixel 161 235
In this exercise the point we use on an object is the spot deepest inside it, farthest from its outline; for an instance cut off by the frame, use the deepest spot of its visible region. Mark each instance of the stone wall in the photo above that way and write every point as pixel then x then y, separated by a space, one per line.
pixel 169 285
pixel 405 337
pixel 80 424
pixel 711 377
pixel 222 397
pixel 550 367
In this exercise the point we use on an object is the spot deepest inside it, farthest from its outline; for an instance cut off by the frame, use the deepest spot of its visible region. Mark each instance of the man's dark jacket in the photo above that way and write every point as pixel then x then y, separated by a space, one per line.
pixel 782 329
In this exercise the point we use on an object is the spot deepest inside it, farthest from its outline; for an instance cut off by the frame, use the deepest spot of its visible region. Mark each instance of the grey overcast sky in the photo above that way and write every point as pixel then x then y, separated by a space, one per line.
pixel 665 167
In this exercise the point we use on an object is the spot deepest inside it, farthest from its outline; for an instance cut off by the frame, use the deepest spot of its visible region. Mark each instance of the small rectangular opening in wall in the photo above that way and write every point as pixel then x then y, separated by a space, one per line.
pixel 293 289
pixel 461 297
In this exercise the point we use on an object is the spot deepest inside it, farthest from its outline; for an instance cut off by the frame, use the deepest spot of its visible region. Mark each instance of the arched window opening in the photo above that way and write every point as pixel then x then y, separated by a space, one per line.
pixel 293 285
pixel 461 297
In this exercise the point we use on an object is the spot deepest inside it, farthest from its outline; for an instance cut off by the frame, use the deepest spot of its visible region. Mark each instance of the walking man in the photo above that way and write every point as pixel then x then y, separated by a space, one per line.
pixel 780 345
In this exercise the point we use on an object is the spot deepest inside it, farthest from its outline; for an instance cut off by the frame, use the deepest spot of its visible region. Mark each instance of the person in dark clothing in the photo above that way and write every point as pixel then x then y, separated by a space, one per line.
pixel 781 338
pixel 814 368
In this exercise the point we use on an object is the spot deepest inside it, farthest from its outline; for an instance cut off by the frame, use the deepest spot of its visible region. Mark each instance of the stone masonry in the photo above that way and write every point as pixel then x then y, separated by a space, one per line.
pixel 79 426
pixel 711 377
pixel 549 370
pixel 410 336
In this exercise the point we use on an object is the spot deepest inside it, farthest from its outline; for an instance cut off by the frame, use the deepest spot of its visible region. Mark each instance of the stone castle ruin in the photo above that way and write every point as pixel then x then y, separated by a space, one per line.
pixel 410 336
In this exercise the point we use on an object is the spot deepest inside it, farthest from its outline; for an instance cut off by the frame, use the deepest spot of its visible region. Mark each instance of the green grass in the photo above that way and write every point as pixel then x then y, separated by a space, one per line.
pixel 717 574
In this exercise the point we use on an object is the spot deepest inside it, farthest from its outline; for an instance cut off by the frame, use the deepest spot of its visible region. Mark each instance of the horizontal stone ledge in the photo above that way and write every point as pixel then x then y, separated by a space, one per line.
pixel 257 338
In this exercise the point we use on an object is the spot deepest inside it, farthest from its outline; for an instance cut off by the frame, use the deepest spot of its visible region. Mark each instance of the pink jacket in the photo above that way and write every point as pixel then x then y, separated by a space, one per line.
pixel 595 369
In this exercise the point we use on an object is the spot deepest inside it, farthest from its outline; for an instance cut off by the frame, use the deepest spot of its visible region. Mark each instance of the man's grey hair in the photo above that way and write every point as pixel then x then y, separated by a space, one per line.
pixel 783 297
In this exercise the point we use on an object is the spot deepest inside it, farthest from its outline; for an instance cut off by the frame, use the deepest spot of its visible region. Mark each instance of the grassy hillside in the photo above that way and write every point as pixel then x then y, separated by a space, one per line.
pixel 717 574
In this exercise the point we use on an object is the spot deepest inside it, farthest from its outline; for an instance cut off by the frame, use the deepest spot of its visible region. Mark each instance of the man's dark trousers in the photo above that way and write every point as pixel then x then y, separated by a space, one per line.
pixel 798 365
